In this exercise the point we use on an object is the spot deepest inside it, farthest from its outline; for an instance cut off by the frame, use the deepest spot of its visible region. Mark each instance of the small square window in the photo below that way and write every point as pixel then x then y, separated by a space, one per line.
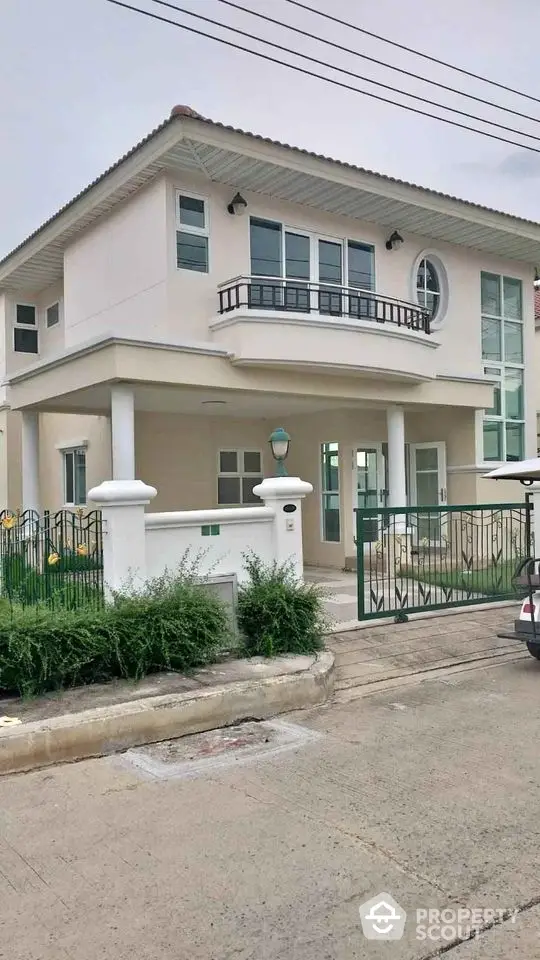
pixel 248 483
pixel 191 251
pixel 191 212
pixel 53 315
pixel 228 461
pixel 26 314
pixel 25 341
pixel 239 472
pixel 228 490
pixel 252 461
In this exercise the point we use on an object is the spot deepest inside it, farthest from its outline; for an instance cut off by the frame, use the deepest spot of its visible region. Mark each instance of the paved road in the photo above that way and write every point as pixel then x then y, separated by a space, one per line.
pixel 430 793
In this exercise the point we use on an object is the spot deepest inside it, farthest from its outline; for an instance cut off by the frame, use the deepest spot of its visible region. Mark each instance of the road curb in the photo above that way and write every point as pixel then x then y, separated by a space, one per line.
pixel 105 730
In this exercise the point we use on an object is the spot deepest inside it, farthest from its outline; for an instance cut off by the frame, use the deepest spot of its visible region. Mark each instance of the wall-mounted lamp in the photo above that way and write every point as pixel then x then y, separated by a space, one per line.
pixel 394 241
pixel 279 441
pixel 237 206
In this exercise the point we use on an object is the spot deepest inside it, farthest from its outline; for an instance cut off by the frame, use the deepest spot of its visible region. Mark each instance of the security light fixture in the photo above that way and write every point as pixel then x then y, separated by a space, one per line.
pixel 394 241
pixel 237 206
pixel 279 441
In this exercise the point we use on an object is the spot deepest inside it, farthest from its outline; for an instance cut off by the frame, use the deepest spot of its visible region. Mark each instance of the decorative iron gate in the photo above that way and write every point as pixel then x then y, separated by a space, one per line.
pixel 53 558
pixel 428 558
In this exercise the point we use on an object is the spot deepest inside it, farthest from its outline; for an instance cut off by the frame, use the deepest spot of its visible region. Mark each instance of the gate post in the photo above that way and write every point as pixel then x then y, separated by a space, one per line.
pixel 360 563
pixel 122 503
pixel 284 496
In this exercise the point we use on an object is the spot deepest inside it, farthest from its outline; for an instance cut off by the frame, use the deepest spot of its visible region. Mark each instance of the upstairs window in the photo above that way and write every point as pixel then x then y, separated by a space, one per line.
pixel 191 233
pixel 52 315
pixel 239 472
pixel 360 265
pixel 25 334
pixel 428 287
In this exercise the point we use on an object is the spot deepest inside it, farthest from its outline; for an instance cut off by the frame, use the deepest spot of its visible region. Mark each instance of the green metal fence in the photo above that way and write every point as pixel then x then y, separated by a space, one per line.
pixel 53 558
pixel 427 558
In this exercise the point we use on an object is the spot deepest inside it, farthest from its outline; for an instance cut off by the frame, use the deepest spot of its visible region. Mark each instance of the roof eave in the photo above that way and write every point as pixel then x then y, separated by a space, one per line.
pixel 152 148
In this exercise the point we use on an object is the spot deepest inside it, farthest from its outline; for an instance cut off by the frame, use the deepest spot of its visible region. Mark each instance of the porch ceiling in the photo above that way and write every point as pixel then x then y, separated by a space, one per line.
pixel 195 402
pixel 251 163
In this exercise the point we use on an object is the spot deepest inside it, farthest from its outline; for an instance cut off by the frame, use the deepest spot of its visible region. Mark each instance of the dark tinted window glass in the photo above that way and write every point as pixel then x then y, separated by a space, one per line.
pixel 265 239
pixel 25 341
pixel 26 314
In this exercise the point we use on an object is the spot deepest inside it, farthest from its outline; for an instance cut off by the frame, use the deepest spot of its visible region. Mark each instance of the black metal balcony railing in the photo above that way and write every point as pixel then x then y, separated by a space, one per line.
pixel 262 293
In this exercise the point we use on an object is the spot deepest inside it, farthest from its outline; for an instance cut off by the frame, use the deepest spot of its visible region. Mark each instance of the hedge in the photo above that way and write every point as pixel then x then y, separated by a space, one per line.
pixel 277 613
pixel 172 625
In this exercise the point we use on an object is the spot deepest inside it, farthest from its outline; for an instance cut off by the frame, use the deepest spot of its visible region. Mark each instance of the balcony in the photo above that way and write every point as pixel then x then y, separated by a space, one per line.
pixel 286 296
pixel 328 328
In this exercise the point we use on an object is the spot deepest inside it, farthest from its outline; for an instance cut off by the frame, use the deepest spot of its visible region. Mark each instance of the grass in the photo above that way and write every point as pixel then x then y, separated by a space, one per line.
pixel 493 580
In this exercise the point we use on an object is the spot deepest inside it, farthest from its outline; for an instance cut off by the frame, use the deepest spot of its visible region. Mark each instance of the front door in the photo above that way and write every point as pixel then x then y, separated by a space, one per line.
pixel 428 487
pixel 369 485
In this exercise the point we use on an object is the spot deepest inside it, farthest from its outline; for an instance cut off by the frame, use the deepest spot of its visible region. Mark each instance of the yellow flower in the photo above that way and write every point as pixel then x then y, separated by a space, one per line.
pixel 53 558
pixel 9 521
pixel 82 550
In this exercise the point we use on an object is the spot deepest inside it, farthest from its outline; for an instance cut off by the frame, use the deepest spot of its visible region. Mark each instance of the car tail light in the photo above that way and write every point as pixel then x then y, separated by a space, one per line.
pixel 528 608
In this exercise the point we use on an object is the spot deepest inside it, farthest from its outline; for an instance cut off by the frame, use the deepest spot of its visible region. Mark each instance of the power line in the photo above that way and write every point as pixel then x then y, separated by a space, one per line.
pixel 381 63
pixel 336 83
pixel 417 53
pixel 344 71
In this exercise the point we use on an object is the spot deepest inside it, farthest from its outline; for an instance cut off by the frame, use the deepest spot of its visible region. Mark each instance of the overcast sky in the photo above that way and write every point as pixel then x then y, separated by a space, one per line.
pixel 81 81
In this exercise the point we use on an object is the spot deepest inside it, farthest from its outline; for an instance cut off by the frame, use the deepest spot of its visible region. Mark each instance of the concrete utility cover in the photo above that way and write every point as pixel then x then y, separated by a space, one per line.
pixel 230 746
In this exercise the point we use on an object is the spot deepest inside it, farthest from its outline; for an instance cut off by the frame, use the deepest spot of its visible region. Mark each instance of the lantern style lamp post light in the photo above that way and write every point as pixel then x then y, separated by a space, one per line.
pixel 279 441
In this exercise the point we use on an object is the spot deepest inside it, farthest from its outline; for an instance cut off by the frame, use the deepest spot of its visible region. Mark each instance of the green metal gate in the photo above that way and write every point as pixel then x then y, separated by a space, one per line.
pixel 52 558
pixel 428 558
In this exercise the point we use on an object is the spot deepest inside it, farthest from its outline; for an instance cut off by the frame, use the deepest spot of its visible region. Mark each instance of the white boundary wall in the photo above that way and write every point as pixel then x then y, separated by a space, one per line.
pixel 138 546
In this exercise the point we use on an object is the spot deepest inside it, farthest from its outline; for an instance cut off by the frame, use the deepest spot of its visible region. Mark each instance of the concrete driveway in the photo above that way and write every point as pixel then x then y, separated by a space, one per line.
pixel 429 793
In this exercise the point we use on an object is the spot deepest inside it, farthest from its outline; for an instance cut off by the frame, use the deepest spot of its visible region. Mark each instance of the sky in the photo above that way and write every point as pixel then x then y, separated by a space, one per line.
pixel 81 81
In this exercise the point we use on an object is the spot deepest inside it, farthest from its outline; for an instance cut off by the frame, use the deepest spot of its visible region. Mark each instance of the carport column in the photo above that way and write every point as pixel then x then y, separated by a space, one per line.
pixel 123 432
pixel 284 496
pixel 395 424
pixel 30 460
pixel 122 504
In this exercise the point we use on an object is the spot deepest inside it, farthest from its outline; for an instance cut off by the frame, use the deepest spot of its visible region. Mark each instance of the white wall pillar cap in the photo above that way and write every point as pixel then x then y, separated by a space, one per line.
pixel 282 488
pixel 128 492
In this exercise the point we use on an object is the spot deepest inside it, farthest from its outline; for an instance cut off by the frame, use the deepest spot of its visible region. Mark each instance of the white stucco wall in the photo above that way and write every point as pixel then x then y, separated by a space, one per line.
pixel 115 273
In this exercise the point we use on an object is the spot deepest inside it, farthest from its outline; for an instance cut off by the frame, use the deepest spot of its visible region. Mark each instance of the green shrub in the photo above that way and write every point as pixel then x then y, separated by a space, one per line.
pixel 173 624
pixel 72 562
pixel 277 613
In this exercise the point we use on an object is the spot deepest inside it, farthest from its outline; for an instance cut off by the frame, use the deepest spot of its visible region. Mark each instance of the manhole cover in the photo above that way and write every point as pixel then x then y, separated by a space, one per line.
pixel 229 746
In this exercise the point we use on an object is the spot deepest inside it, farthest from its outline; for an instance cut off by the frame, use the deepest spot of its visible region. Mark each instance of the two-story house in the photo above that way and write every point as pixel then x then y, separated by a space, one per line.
pixel 214 284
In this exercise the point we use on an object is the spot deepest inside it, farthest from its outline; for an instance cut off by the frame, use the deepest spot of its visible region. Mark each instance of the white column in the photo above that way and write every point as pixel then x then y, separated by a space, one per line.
pixel 395 423
pixel 122 503
pixel 30 460
pixel 284 496
pixel 123 432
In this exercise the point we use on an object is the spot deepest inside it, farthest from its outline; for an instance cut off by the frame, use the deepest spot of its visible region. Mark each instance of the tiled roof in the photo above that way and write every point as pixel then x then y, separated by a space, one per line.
pixel 185 111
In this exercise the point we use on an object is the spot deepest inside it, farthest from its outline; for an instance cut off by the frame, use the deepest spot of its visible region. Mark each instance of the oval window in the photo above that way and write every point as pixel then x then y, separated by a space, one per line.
pixel 428 287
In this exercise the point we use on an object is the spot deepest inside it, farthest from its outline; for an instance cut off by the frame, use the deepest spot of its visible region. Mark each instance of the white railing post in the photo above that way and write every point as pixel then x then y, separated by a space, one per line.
pixel 284 496
pixel 122 503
